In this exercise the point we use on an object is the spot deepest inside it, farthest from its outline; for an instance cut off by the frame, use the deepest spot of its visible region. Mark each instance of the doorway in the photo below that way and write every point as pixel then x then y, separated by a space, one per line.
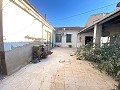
pixel 88 39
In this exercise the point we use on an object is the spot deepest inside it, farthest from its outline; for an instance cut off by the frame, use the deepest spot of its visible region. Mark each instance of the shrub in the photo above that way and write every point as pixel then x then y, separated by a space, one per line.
pixel 106 57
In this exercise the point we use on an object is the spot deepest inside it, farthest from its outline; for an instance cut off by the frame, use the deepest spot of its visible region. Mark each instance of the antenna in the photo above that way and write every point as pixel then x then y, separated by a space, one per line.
pixel 45 16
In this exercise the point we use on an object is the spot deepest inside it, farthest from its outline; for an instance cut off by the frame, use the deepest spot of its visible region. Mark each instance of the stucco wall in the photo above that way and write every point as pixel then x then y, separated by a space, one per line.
pixel 18 23
pixel 19 57
pixel 73 38
pixel 83 35
pixel 111 30
pixel 45 34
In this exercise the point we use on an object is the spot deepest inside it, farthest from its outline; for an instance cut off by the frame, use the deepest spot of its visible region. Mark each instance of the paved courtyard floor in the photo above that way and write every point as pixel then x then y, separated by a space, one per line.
pixel 60 71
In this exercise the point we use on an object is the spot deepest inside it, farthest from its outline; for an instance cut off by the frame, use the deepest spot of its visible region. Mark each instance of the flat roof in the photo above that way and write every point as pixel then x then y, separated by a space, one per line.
pixel 68 28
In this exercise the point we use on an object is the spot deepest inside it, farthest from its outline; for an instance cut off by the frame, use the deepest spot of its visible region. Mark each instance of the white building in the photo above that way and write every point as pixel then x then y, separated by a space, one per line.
pixel 67 36
pixel 20 22
pixel 20 19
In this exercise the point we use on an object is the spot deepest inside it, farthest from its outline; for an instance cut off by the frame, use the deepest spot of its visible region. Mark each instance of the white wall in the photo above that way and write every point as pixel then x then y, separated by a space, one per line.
pixel 73 38
pixel 83 35
pixel 17 23
pixel 45 34
pixel 111 30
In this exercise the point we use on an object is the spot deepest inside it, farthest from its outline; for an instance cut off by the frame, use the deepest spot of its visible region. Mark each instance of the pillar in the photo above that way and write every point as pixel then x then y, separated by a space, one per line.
pixel 3 68
pixel 42 33
pixel 97 34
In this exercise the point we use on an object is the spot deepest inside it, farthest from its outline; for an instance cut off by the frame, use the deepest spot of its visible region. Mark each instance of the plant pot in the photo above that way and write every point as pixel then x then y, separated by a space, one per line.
pixel 70 46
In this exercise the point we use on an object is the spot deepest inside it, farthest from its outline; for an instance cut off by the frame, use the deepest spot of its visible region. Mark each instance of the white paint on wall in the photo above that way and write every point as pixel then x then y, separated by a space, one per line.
pixel 83 35
pixel 17 23
pixel 45 30
pixel 74 39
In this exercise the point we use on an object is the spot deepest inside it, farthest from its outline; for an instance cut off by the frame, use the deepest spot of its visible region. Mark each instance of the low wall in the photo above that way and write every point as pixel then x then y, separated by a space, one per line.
pixel 19 57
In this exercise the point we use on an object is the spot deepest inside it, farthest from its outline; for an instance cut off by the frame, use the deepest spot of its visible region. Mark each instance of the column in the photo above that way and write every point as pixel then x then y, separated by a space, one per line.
pixel 42 33
pixel 3 68
pixel 97 34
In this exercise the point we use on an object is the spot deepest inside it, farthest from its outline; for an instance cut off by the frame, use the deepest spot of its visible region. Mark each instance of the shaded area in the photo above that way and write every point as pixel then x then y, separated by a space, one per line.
pixel 2 77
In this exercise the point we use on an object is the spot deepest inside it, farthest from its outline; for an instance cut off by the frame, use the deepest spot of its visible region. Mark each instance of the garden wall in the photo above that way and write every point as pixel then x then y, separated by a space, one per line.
pixel 19 57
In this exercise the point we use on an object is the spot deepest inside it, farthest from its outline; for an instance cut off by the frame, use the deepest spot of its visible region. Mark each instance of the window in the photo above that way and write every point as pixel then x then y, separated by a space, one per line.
pixel 68 38
pixel 58 38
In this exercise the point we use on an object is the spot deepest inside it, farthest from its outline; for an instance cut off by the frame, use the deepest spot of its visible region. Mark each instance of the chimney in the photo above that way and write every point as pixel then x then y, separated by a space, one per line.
pixel 45 16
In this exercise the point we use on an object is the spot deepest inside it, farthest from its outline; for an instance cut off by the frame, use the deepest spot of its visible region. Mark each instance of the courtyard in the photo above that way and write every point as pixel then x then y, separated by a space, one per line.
pixel 60 71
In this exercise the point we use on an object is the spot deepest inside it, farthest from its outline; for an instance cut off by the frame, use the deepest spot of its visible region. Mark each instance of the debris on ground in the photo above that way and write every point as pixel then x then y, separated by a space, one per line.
pixel 62 61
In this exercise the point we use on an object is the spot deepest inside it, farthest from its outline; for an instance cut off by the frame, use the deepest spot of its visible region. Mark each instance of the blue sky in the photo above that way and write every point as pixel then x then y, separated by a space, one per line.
pixel 58 11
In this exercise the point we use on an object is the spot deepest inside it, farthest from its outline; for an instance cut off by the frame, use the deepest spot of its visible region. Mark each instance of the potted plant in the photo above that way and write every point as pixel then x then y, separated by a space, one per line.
pixel 70 46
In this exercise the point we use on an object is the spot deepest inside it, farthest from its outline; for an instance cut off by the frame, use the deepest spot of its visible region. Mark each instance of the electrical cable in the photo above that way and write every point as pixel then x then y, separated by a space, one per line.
pixel 63 18
pixel 86 12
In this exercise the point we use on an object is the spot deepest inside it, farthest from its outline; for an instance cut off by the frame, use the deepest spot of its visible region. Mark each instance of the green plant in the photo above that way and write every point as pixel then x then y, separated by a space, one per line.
pixel 106 57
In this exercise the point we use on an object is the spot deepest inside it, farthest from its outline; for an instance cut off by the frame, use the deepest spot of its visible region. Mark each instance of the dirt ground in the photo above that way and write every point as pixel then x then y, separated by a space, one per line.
pixel 60 71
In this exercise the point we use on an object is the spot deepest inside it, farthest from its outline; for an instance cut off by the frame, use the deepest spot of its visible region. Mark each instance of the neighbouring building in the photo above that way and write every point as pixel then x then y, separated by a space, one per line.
pixel 67 36
pixel 87 36
pixel 72 33
pixel 21 25
pixel 105 29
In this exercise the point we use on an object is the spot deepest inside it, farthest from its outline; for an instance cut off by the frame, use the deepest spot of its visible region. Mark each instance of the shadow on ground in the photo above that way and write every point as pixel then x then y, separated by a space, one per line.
pixel 2 77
